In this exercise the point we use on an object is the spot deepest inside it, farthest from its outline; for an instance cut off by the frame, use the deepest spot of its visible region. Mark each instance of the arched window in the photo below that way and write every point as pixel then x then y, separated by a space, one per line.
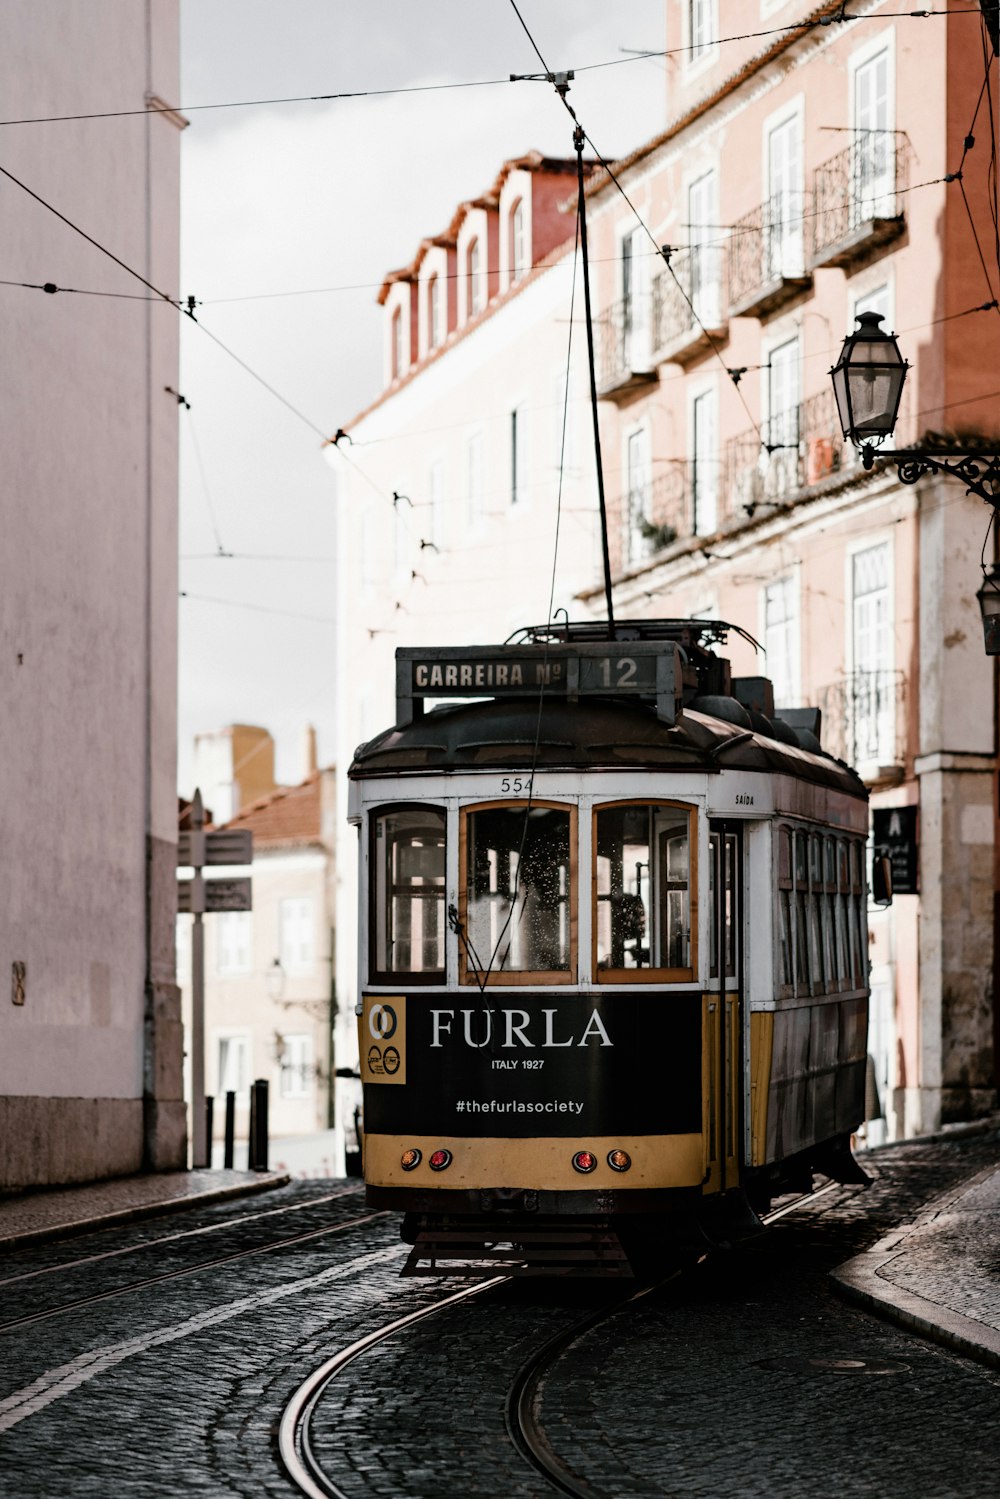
pixel 396 343
pixel 474 293
pixel 517 245
pixel 433 312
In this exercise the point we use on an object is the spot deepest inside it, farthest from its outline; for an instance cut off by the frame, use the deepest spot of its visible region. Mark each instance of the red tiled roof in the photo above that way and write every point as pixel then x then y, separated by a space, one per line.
pixel 289 814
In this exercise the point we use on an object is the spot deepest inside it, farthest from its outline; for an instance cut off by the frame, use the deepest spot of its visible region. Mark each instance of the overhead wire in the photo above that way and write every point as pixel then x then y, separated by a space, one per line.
pixel 163 296
pixel 805 23
pixel 562 92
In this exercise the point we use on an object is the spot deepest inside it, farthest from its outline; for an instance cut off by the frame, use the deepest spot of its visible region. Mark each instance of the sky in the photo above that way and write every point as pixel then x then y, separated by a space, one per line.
pixel 291 214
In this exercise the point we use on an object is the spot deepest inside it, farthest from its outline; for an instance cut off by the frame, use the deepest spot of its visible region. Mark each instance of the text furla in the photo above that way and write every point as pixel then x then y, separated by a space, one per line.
pixel 477 1029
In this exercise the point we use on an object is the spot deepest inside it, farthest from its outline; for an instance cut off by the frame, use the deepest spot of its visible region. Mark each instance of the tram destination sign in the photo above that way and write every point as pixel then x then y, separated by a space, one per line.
pixel 648 670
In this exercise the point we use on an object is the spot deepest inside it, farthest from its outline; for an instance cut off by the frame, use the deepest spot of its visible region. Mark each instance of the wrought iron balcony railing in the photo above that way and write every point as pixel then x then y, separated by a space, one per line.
pixel 656 514
pixel 624 354
pixel 688 303
pixel 863 719
pixel 858 198
pixel 767 256
pixel 794 450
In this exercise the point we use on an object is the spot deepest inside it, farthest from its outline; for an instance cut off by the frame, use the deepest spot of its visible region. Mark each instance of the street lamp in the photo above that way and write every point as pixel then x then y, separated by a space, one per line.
pixel 868 383
pixel 989 608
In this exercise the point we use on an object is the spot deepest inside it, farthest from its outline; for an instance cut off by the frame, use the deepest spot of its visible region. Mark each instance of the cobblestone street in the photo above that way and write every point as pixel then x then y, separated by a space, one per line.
pixel 157 1358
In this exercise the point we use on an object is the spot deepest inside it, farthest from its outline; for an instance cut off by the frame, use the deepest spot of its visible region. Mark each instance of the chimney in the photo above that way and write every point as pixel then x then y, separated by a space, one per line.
pixel 308 752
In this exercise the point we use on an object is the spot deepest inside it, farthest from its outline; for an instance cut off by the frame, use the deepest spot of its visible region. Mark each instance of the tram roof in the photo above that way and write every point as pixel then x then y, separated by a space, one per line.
pixel 599 734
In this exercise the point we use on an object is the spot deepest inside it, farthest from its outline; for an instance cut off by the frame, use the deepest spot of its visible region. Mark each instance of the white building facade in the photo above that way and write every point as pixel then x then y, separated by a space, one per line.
pixel 466 492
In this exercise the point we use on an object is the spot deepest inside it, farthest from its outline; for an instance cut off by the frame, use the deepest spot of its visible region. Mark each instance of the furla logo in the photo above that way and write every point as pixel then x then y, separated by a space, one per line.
pixel 513 1028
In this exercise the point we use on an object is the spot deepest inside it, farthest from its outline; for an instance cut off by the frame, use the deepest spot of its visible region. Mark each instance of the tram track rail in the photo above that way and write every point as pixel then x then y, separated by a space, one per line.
pixel 187 1233
pixel 522 1410
pixel 289 1242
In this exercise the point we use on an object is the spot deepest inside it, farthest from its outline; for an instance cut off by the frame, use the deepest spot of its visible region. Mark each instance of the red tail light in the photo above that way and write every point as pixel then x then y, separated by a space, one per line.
pixel 440 1160
pixel 584 1161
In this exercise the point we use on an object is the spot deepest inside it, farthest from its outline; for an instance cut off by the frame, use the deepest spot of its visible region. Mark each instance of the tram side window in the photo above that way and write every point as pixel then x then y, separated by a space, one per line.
pixel 517 890
pixel 408 884
pixel 785 914
pixel 643 888
pixel 820 892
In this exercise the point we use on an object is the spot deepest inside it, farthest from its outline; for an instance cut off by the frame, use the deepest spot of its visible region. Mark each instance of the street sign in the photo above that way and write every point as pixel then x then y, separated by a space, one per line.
pixel 222 846
pixel 195 897
pixel 894 836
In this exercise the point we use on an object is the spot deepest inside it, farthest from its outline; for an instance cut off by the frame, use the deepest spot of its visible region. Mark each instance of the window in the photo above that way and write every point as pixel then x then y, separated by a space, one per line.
pixel 642 890
pixel 562 419
pixel 871 708
pixel 295 933
pixel 401 522
pixel 704 253
pixel 473 284
pixel 396 343
pixel 433 311
pixel 781 640
pixel 705 464
pixel 783 418
pixel 783 220
pixel 701 28
pixel 518 456
pixel 819 945
pixel 635 310
pixel 516 885
pixel 517 246
pixel 408 886
pixel 296 1058
pixel 873 146
pixel 474 477
pixel 435 489
pixel 233 934
pixel 637 489
pixel 233 1070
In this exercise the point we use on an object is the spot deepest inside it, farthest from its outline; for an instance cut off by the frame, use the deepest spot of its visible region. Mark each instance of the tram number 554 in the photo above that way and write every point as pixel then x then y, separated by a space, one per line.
pixel 515 784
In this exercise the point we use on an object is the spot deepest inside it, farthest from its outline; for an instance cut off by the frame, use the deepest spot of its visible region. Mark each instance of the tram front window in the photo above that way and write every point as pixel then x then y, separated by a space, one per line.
pixel 517 883
pixel 643 888
pixel 408 865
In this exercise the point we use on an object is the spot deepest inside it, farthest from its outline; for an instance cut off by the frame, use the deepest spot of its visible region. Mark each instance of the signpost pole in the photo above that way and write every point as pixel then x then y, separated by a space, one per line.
pixel 198 1146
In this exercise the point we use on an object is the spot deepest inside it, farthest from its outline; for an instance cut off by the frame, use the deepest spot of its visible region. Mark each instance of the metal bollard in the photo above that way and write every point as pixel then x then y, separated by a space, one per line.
pixel 209 1123
pixel 229 1146
pixel 258 1125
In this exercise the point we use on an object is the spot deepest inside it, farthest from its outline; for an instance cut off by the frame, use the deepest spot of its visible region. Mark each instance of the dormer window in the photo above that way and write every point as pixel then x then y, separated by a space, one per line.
pixel 517 245
pixel 396 343
pixel 433 311
pixel 474 295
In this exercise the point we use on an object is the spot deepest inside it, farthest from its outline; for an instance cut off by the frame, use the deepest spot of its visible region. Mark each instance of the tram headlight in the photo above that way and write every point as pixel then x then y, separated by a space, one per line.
pixel 584 1161
pixel 410 1159
pixel 619 1160
pixel 440 1160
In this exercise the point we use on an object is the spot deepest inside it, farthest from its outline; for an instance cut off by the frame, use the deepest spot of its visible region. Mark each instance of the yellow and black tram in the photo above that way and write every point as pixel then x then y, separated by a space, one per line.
pixel 613 947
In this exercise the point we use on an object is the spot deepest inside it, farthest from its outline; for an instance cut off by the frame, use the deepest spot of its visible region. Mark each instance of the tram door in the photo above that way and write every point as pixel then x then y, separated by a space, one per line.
pixel 723 1029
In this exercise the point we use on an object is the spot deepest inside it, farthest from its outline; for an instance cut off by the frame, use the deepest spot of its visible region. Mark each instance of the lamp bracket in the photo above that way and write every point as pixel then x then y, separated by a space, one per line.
pixel 978 471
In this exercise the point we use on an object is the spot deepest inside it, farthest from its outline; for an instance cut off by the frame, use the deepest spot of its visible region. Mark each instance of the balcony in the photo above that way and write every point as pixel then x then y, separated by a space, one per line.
pixel 625 363
pixel 858 200
pixel 767 258
pixel 793 452
pixel 863 721
pixel 656 514
pixel 687 306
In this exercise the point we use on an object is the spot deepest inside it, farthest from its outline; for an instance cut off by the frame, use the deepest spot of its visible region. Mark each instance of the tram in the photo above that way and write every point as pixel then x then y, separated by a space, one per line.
pixel 613 949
